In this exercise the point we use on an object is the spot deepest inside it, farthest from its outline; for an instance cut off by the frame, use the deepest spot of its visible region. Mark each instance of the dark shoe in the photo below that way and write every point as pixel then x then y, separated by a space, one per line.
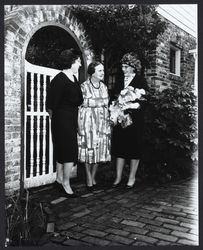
pixel 131 186
pixel 95 186
pixel 71 195
pixel 90 188
pixel 116 185
pixel 65 194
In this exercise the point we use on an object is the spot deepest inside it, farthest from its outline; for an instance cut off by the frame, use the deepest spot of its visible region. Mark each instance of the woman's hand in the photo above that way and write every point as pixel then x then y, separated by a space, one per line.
pixel 79 130
pixel 79 123
pixel 130 105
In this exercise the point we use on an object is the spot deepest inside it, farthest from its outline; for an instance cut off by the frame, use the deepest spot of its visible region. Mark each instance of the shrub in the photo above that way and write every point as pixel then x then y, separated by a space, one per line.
pixel 120 28
pixel 170 139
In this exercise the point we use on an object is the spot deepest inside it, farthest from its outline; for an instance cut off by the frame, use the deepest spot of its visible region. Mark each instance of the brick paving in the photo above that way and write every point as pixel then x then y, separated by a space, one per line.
pixel 144 215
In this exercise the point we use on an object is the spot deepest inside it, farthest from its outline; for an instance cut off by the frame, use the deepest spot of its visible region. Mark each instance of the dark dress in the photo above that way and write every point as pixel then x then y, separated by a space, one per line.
pixel 127 142
pixel 63 98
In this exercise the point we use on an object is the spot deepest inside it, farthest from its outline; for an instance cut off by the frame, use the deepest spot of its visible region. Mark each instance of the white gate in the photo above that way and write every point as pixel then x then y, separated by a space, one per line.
pixel 38 148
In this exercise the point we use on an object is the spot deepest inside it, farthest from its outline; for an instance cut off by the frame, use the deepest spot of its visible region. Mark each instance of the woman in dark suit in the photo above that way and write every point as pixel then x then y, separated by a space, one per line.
pixel 63 98
pixel 127 142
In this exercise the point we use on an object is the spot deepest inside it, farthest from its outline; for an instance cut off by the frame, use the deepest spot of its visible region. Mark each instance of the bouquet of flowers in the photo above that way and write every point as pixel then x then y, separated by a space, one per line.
pixel 126 100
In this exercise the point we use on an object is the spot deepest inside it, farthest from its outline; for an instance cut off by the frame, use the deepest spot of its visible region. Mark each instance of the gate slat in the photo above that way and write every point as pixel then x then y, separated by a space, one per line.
pixel 37 138
pixel 25 120
pixel 38 126
pixel 44 127
pixel 32 126
pixel 50 143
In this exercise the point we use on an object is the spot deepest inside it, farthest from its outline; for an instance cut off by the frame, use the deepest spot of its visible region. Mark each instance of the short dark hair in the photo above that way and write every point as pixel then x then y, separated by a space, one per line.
pixel 91 67
pixel 67 58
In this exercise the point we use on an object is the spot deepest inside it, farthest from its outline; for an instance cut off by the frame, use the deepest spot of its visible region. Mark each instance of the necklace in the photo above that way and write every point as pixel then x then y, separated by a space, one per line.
pixel 94 86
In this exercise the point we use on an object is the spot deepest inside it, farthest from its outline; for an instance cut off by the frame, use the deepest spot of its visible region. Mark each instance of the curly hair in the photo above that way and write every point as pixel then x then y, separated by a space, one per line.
pixel 67 58
pixel 132 60
pixel 92 66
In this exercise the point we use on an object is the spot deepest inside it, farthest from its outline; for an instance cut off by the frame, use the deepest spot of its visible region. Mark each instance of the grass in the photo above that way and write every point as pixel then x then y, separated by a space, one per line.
pixel 25 220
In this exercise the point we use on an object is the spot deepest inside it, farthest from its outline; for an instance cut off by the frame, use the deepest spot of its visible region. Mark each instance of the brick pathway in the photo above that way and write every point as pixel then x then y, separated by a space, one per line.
pixel 145 215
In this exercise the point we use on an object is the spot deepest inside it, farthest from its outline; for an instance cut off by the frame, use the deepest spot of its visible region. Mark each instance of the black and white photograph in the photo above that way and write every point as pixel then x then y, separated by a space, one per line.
pixel 101 125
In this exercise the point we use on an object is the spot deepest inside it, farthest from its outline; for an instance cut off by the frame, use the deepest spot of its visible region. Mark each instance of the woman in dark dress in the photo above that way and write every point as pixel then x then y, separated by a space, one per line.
pixel 63 98
pixel 127 142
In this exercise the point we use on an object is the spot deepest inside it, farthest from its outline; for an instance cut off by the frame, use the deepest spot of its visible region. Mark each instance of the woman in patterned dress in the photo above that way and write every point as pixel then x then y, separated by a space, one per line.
pixel 63 98
pixel 93 123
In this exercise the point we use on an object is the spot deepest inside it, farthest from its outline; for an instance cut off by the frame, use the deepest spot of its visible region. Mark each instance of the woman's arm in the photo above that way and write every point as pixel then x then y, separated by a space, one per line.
pixel 50 113
pixel 54 94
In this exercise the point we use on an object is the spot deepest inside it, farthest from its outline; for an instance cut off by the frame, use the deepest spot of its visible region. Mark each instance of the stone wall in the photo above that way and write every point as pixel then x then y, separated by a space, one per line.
pixel 21 23
pixel 159 74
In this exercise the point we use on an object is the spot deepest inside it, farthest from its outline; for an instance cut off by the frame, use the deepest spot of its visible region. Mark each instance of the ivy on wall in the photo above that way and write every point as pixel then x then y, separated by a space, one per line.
pixel 117 29
pixel 113 30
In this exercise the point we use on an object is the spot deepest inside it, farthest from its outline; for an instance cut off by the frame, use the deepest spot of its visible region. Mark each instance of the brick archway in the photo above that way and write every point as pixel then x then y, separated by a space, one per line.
pixel 20 25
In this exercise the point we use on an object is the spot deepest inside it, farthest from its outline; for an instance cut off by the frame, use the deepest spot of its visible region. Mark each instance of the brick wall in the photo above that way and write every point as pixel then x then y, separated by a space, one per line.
pixel 159 73
pixel 20 24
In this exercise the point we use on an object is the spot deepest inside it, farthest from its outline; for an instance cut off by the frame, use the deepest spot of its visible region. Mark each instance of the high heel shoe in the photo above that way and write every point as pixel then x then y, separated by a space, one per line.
pixel 67 195
pixel 130 186
pixel 116 185
pixel 90 188
pixel 95 187
pixel 71 195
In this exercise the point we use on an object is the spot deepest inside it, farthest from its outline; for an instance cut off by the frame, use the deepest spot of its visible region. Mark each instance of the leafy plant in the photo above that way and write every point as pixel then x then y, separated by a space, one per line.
pixel 112 29
pixel 117 29
pixel 171 131
pixel 23 219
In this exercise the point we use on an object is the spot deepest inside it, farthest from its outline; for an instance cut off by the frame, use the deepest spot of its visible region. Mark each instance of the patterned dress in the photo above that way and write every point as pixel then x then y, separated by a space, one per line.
pixel 93 124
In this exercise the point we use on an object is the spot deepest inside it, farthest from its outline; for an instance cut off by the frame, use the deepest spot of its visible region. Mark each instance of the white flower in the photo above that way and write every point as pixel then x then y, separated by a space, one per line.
pixel 124 91
pixel 135 105
pixel 131 88
pixel 112 106
pixel 140 91
pixel 138 95
pixel 131 105
pixel 132 96
pixel 114 112
pixel 121 100
pixel 125 101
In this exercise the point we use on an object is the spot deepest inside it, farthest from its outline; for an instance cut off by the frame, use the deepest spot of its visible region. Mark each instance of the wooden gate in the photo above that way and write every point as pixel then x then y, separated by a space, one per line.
pixel 38 148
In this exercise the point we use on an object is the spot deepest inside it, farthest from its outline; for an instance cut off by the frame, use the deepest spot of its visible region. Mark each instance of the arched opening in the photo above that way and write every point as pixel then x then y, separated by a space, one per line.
pixel 41 65
pixel 46 44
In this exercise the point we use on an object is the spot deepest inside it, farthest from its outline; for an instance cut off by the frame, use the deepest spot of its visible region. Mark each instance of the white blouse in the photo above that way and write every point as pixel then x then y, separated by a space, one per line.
pixel 128 79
